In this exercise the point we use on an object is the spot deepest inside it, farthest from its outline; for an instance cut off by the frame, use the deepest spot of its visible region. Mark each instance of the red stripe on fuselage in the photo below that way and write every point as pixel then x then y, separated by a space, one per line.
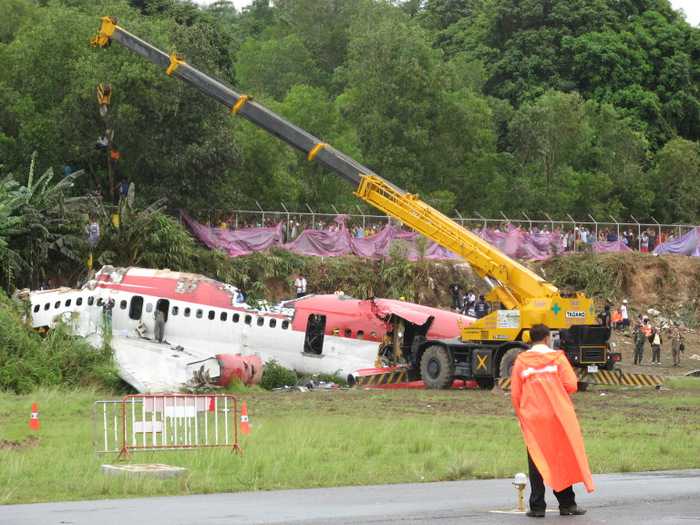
pixel 206 293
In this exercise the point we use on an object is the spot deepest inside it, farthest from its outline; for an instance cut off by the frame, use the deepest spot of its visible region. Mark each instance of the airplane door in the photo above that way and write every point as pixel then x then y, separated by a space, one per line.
pixel 315 333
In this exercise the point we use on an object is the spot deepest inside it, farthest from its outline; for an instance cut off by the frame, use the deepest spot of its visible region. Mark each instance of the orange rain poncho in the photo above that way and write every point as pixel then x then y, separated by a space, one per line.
pixel 541 382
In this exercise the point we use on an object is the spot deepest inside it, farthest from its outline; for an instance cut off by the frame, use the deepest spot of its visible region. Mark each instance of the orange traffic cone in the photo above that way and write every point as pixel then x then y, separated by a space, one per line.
pixel 245 425
pixel 34 423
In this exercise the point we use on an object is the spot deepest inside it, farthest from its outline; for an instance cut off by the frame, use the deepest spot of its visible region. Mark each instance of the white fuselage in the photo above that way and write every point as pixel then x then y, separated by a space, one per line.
pixel 203 331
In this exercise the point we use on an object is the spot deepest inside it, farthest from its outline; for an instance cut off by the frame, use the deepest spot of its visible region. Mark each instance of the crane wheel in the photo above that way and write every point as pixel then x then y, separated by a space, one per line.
pixel 437 367
pixel 508 360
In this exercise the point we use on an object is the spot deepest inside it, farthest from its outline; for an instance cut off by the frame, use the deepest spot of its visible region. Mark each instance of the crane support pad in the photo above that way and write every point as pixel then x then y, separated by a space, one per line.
pixel 606 377
pixel 386 378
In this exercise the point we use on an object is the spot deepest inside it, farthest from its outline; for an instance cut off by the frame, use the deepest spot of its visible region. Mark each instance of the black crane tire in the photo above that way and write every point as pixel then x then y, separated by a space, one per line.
pixel 508 360
pixel 437 368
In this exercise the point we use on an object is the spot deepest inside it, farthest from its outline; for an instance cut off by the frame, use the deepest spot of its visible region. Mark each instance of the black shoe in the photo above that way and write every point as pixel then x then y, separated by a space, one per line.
pixel 535 513
pixel 572 511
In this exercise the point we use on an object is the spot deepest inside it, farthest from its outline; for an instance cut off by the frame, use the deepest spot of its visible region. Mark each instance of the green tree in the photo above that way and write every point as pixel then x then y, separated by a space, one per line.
pixel 676 173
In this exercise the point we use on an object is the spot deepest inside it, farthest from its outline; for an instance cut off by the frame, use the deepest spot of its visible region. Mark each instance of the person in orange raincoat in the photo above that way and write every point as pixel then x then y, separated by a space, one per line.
pixel 541 382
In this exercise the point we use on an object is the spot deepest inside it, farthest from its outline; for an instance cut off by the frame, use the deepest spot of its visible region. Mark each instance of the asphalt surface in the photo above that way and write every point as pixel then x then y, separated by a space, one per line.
pixel 661 498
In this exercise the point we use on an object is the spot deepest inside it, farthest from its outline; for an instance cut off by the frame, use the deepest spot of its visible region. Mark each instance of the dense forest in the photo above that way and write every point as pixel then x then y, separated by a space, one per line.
pixel 557 106
pixel 536 106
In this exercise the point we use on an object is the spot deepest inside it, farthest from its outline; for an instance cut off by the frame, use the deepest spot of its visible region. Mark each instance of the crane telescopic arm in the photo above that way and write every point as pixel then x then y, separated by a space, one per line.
pixel 513 284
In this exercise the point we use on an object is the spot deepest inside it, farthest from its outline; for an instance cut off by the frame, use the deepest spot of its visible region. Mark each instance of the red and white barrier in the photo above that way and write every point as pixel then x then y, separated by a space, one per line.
pixel 167 422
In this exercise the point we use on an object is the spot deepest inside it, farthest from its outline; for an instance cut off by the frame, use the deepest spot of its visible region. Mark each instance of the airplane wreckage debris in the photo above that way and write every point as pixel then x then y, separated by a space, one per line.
pixel 173 330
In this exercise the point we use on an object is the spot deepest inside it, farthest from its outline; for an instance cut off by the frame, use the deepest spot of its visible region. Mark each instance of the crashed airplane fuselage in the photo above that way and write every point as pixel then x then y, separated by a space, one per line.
pixel 330 334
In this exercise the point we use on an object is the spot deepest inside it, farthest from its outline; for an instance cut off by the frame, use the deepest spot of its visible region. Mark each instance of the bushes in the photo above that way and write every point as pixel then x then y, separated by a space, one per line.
pixel 28 360
pixel 277 376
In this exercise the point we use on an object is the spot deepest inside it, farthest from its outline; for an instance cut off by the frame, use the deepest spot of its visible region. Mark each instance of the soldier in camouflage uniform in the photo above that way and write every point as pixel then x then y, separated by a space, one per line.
pixel 677 344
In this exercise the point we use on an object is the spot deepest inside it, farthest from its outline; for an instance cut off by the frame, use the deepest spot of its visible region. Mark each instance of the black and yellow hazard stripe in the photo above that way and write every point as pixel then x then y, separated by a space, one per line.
pixel 386 378
pixel 606 377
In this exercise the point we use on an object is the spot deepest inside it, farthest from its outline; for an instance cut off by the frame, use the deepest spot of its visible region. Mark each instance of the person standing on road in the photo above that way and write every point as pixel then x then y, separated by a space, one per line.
pixel 639 338
pixel 541 383
pixel 677 343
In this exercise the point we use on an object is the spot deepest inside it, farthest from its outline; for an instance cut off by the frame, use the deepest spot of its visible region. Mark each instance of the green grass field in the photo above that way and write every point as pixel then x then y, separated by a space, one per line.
pixel 344 438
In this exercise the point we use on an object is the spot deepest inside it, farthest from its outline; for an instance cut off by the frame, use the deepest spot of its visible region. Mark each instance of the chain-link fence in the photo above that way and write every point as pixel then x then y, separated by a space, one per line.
pixel 577 234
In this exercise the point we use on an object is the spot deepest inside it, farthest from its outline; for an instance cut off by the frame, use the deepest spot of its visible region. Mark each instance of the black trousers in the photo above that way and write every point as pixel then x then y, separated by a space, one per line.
pixel 566 497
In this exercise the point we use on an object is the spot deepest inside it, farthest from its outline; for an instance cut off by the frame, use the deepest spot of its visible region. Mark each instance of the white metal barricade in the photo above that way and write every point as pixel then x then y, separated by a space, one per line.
pixel 166 422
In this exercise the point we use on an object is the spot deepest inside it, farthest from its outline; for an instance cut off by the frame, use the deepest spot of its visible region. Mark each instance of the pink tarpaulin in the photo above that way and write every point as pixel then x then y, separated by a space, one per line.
pixel 235 242
pixel 515 242
pixel 610 247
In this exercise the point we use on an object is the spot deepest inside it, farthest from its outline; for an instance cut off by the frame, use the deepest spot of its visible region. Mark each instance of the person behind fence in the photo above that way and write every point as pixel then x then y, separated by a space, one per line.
pixel 541 383
pixel 677 343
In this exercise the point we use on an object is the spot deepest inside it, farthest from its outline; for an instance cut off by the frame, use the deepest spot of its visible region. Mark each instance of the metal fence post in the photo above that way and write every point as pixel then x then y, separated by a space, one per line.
pixel 658 237
pixel 639 233
pixel 263 213
pixel 313 216
pixel 573 232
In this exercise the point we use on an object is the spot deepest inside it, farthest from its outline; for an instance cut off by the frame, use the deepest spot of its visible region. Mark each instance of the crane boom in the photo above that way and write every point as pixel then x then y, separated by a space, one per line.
pixel 513 284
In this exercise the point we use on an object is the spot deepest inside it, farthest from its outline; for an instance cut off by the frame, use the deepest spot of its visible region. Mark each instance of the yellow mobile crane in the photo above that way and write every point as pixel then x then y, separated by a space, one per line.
pixel 488 346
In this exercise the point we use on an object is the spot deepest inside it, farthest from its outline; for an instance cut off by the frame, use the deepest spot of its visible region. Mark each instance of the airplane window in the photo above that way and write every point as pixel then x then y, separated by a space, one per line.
pixel 57 304
pixel 211 315
pixel 100 302
pixel 36 308
pixel 199 314
pixel 68 301
pixel 122 304
pixel 248 319
pixel 273 323
pixel 136 307
pixel 187 312
pixel 261 321
pixel 223 316
pixel 47 306
pixel 79 301
pixel 174 310
pixel 91 300
pixel 348 332
pixel 360 334
pixel 285 324
pixel 235 318
pixel 149 308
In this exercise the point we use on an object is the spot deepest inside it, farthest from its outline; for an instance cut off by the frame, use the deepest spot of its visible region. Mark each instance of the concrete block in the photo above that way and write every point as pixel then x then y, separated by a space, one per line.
pixel 150 470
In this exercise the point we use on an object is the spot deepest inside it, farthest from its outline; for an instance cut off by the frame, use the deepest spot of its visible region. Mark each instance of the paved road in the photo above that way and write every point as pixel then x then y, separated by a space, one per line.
pixel 661 498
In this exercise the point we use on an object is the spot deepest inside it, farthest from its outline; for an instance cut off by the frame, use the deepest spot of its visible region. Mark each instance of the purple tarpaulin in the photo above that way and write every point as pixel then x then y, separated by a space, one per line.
pixel 235 242
pixel 610 247
pixel 514 242
pixel 688 244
